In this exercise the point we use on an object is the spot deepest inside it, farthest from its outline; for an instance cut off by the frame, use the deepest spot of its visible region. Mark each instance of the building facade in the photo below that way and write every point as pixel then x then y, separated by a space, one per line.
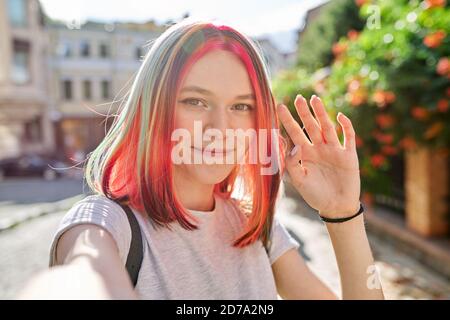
pixel 91 66
pixel 277 61
pixel 24 119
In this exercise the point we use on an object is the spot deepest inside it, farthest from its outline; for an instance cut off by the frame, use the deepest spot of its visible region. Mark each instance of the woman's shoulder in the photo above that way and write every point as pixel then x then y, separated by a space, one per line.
pixel 101 211
pixel 95 207
pixel 97 199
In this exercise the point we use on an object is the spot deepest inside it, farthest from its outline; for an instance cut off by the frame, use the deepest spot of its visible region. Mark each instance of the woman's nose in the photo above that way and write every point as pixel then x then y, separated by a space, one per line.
pixel 218 120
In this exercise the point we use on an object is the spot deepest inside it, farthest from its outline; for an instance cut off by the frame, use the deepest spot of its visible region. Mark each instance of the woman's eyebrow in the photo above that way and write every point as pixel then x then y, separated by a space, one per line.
pixel 209 93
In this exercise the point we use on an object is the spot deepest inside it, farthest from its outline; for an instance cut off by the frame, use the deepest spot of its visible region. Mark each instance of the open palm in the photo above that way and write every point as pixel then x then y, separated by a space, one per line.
pixel 324 172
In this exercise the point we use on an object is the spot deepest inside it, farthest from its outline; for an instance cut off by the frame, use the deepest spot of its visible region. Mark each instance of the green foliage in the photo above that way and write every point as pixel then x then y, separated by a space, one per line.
pixel 288 84
pixel 335 20
pixel 395 58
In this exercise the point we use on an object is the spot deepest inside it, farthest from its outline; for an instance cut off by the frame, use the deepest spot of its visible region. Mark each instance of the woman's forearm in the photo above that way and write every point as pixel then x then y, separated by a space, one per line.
pixel 78 280
pixel 359 278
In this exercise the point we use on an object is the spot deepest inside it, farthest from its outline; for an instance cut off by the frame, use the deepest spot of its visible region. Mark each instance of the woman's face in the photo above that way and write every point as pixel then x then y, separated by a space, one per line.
pixel 216 94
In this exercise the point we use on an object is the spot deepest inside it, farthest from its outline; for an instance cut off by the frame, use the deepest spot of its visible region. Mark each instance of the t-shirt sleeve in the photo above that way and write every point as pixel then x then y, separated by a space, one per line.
pixel 97 210
pixel 280 241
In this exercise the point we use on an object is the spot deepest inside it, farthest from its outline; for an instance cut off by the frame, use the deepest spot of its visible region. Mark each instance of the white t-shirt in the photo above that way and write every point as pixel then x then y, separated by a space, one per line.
pixel 189 264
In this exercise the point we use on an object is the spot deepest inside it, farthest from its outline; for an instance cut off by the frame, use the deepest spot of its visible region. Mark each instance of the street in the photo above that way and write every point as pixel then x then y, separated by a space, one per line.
pixel 36 190
pixel 25 247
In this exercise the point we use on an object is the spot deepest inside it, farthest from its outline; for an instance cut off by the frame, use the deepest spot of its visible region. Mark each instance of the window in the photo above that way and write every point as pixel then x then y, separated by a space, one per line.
pixel 106 89
pixel 17 12
pixel 67 89
pixel 85 49
pixel 33 130
pixel 104 50
pixel 87 91
pixel 64 50
pixel 21 62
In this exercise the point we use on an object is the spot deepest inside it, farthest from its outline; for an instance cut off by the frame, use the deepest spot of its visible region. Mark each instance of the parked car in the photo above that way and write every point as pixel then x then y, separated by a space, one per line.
pixel 32 165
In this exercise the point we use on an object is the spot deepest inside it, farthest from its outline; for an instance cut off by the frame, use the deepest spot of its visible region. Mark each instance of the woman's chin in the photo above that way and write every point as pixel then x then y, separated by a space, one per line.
pixel 211 173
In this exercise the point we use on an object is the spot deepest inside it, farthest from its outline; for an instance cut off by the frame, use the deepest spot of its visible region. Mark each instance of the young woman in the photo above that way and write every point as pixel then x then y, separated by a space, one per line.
pixel 209 228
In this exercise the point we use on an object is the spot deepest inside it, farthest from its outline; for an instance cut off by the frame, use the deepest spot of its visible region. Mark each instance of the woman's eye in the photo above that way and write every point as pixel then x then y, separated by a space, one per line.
pixel 193 102
pixel 242 107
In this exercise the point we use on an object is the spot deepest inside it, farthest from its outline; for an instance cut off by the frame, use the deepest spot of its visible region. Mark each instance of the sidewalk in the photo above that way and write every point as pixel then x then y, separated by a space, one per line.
pixel 22 199
pixel 12 214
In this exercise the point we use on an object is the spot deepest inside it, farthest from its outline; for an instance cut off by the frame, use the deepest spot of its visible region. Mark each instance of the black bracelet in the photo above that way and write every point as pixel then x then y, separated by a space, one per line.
pixel 339 220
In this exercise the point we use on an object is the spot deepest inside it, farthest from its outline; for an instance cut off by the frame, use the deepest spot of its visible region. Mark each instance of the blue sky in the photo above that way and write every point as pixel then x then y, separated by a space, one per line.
pixel 277 17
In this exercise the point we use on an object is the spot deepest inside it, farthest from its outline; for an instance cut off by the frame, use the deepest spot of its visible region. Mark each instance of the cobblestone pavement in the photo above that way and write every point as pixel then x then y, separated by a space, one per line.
pixel 25 250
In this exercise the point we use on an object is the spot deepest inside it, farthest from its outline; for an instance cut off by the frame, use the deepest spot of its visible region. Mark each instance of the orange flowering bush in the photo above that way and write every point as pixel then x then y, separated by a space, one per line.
pixel 393 81
pixel 434 40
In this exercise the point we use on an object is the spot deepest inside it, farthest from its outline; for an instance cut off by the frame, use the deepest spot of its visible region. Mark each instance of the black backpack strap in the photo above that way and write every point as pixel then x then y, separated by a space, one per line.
pixel 135 255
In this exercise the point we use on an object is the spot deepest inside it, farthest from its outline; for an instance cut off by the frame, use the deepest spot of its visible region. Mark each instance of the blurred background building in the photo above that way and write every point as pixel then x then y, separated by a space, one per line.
pixel 90 67
pixel 24 119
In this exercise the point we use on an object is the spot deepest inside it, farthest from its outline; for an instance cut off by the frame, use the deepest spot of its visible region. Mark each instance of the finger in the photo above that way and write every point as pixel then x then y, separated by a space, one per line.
pixel 292 127
pixel 328 129
pixel 348 130
pixel 311 125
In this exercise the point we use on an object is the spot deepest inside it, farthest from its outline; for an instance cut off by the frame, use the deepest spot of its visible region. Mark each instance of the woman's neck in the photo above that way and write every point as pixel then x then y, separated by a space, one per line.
pixel 193 195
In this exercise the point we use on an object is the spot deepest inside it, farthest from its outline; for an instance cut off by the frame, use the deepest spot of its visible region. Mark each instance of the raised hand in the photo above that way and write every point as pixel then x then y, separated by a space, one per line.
pixel 324 172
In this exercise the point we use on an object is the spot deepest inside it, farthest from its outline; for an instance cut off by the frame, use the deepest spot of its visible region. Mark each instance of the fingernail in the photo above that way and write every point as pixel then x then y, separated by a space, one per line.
pixel 294 150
